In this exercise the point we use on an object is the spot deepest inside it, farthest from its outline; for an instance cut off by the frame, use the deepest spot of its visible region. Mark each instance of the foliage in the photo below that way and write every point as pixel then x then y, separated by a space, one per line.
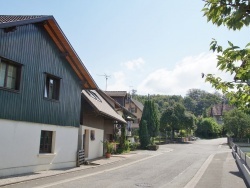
pixel 175 118
pixel 123 138
pixel 150 116
pixel 197 101
pixel 208 128
pixel 236 123
pixel 126 146
pixel 235 61
pixel 182 133
pixel 109 146
pixel 143 134
pixel 161 101
pixel 133 146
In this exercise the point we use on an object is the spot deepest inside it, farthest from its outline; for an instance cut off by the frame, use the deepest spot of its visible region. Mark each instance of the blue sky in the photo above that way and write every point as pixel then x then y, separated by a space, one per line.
pixel 152 46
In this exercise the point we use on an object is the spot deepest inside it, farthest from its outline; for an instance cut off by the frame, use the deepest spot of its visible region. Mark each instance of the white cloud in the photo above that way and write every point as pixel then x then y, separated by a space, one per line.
pixel 134 64
pixel 119 82
pixel 185 75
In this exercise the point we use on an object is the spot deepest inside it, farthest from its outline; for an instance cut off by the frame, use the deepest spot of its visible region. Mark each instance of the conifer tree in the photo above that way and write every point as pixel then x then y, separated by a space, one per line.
pixel 143 134
pixel 149 114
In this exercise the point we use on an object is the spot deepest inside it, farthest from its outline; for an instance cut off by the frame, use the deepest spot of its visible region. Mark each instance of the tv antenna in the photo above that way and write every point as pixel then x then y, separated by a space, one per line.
pixel 106 77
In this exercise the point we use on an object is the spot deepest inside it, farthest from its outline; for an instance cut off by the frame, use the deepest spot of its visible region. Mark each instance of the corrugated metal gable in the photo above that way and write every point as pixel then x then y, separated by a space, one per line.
pixel 31 46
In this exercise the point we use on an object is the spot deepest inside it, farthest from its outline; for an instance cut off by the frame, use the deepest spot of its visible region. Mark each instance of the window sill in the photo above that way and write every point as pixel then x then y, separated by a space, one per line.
pixel 52 100
pixel 10 90
pixel 46 155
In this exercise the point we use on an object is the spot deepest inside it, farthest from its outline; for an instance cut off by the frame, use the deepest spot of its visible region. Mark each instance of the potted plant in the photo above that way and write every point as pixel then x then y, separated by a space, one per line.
pixel 109 146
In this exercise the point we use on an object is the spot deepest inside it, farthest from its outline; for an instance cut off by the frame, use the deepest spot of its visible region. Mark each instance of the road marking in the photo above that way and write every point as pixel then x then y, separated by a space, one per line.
pixel 88 175
pixel 192 183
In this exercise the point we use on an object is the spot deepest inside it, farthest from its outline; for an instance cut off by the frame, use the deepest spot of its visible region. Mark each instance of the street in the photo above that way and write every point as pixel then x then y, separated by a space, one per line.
pixel 202 163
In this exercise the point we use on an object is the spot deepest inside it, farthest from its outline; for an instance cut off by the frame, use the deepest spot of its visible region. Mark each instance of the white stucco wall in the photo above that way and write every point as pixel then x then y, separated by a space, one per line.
pixel 20 142
pixel 95 147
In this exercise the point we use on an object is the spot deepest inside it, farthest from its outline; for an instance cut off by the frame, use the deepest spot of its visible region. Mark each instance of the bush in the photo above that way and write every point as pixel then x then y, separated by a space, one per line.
pixel 126 146
pixel 133 146
pixel 153 147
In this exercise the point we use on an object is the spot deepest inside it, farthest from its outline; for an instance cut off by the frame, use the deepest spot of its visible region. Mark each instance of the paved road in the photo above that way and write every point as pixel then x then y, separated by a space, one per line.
pixel 203 163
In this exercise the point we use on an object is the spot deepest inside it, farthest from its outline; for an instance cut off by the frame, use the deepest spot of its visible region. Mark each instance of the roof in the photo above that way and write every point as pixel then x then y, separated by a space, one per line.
pixel 138 104
pixel 57 35
pixel 116 93
pixel 219 109
pixel 100 105
pixel 117 105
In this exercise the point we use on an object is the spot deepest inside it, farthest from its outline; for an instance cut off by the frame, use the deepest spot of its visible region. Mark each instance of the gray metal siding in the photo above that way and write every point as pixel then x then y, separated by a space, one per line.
pixel 31 46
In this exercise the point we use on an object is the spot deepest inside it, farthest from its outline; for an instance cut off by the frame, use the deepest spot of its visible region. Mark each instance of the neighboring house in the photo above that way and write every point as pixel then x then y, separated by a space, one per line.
pixel 117 106
pixel 119 99
pixel 118 96
pixel 217 111
pixel 98 123
pixel 136 108
pixel 41 80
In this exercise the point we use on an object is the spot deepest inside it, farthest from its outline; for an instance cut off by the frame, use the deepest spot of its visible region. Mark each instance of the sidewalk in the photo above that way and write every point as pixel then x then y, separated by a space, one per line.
pixel 93 164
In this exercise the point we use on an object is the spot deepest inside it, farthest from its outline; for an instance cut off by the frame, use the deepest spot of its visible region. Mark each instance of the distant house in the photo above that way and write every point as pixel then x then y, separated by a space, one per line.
pixel 118 96
pixel 41 81
pixel 136 108
pixel 98 123
pixel 218 110
pixel 121 97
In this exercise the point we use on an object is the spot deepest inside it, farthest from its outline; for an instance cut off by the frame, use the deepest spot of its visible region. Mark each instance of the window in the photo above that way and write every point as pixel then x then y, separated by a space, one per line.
pixel 10 74
pixel 92 135
pixel 52 87
pixel 46 142
pixel 93 95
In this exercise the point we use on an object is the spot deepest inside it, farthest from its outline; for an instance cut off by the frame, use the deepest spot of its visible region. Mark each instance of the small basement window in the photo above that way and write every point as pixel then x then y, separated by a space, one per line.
pixel 10 74
pixel 46 141
pixel 52 87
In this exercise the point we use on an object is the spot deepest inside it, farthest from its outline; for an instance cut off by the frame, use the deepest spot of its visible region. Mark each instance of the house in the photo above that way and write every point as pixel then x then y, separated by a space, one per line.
pixel 217 111
pixel 41 81
pixel 98 123
pixel 120 98
pixel 136 108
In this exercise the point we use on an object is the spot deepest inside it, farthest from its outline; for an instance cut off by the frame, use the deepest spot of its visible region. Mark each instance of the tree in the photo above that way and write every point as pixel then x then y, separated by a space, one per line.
pixel 169 121
pixel 173 118
pixel 208 128
pixel 189 122
pixel 123 137
pixel 197 101
pixel 234 14
pixel 143 134
pixel 149 114
pixel 236 122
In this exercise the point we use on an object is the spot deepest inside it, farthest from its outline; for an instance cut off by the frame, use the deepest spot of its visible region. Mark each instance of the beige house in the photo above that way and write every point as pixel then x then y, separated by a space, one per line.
pixel 118 99
pixel 98 123
pixel 136 108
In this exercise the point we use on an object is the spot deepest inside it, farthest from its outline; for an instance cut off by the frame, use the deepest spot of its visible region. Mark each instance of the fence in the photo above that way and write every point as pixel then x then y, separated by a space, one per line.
pixel 236 145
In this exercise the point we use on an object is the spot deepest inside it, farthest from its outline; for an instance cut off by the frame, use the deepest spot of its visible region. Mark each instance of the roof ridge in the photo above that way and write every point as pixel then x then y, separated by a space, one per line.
pixel 17 18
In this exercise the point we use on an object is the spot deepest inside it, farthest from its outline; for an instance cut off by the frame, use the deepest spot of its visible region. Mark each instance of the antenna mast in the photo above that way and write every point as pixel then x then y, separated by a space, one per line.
pixel 106 77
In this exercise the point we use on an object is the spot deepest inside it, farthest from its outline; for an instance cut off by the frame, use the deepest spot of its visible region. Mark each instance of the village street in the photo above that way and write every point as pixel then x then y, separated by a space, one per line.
pixel 202 163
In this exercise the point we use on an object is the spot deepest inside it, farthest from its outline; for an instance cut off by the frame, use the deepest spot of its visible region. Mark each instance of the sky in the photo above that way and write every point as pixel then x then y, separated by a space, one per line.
pixel 152 46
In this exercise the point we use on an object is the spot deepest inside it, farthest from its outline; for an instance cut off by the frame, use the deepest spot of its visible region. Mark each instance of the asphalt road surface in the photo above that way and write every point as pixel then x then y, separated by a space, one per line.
pixel 198 164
